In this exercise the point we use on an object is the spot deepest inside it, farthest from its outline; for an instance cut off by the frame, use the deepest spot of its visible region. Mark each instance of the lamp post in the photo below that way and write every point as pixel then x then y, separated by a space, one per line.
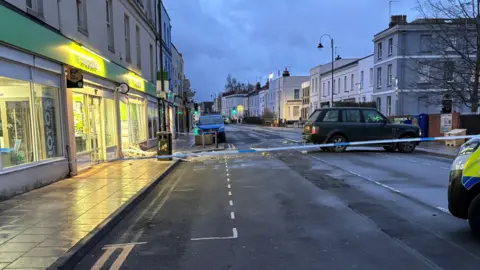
pixel 320 46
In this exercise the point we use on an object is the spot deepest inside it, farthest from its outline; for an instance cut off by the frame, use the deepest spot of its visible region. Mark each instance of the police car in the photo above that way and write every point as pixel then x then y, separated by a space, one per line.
pixel 464 185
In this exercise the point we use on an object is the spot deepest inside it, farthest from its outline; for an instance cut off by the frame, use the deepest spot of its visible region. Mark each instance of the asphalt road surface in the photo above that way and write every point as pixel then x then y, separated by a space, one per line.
pixel 363 209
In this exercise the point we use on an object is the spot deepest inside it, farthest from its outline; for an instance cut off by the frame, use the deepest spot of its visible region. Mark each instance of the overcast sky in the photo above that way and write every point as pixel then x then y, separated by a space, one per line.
pixel 252 38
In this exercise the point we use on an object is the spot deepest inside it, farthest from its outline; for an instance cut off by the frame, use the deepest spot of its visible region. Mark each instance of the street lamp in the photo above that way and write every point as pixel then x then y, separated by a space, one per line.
pixel 320 46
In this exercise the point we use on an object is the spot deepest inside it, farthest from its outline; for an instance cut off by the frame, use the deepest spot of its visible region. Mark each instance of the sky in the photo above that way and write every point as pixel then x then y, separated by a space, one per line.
pixel 252 38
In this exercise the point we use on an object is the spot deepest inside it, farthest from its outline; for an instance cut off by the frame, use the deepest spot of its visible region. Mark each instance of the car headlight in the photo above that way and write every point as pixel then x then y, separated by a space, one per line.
pixel 469 147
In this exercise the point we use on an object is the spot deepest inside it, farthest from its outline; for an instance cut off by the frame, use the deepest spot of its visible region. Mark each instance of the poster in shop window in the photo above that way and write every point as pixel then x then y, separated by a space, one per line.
pixel 445 122
pixel 48 107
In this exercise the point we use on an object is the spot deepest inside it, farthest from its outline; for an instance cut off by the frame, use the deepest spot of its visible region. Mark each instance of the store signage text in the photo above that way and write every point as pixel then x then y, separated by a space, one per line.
pixel 87 64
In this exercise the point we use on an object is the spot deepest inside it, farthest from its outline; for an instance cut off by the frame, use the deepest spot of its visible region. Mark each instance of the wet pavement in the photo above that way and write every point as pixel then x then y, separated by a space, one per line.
pixel 363 209
pixel 36 228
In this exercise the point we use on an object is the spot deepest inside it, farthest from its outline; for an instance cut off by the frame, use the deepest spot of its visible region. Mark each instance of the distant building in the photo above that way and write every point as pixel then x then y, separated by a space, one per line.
pixel 305 113
pixel 205 108
pixel 231 101
pixel 284 96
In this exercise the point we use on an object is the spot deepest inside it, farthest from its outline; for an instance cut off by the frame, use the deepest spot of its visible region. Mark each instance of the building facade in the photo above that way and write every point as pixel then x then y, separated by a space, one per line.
pixel 406 56
pixel 55 124
pixel 305 113
pixel 343 87
pixel 284 96
pixel 233 105
pixel 254 104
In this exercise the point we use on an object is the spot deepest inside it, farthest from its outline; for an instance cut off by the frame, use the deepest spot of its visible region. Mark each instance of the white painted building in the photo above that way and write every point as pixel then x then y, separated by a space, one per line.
pixel 305 111
pixel 284 95
pixel 365 77
pixel 261 100
pixel 315 88
pixel 231 101
pixel 351 81
pixel 254 104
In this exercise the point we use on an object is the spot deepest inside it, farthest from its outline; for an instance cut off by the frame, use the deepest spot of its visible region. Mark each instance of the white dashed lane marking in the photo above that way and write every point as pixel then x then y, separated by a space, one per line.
pixel 231 203
pixel 232 215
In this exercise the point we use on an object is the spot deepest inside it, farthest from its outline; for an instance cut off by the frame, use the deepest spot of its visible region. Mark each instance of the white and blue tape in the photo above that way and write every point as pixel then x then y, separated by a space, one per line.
pixel 300 147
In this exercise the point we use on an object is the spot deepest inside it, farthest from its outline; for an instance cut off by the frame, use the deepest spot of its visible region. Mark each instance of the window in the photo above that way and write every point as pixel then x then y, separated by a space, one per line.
pixel 47 114
pixel 110 132
pixel 362 77
pixel 379 77
pixel 379 50
pixel 425 43
pixel 345 84
pixel 137 44
pixel 331 116
pixel 364 99
pixel 324 90
pixel 296 111
pixel 109 16
pixel 390 46
pixel 449 71
pixel 339 85
pixel 351 116
pixel 315 114
pixel 389 106
pixel 424 74
pixel 372 116
pixel 149 10
pixel 389 75
pixel 333 87
pixel 35 6
pixel 328 90
pixel 82 16
pixel 371 76
pixel 296 94
pixel 379 103
pixel 316 85
pixel 152 65
pixel 152 120
pixel 313 86
pixel 126 23
pixel 352 82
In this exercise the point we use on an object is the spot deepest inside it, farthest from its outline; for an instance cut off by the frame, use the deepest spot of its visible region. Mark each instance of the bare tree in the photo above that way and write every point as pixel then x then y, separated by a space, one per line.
pixel 450 68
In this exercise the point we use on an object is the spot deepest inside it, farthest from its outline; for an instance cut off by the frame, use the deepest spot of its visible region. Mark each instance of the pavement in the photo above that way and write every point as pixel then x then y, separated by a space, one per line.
pixel 362 209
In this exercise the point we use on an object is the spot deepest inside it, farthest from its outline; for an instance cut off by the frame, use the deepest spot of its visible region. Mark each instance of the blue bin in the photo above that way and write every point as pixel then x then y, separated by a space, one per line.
pixel 423 124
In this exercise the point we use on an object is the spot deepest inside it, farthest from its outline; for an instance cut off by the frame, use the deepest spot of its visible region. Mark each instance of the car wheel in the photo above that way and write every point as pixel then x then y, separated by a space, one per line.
pixel 337 139
pixel 474 216
pixel 406 147
pixel 390 148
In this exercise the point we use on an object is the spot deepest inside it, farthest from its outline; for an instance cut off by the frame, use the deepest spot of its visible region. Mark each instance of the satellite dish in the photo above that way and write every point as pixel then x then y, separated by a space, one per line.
pixel 123 88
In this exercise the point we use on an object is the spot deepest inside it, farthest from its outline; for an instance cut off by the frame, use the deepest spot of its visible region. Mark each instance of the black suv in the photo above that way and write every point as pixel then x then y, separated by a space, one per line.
pixel 335 125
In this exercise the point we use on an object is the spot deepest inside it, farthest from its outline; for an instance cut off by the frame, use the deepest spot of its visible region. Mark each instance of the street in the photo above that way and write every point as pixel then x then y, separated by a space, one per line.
pixel 363 209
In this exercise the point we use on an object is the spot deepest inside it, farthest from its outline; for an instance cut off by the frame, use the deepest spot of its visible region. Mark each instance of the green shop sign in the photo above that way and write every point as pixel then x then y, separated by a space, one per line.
pixel 37 39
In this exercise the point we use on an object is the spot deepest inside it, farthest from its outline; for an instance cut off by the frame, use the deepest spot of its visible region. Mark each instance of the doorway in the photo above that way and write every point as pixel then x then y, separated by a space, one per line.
pixel 96 138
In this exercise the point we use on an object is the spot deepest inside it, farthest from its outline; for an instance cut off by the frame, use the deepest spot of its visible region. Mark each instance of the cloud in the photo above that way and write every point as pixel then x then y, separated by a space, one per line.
pixel 252 38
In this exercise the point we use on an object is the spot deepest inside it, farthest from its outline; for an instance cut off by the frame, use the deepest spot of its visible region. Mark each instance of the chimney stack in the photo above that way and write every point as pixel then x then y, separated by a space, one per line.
pixel 397 19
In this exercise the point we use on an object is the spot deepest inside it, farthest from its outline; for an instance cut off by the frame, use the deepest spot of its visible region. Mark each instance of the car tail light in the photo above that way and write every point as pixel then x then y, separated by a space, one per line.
pixel 314 130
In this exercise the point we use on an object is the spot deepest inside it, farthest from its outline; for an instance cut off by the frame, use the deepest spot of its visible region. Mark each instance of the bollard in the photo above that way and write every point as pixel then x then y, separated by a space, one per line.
pixel 203 140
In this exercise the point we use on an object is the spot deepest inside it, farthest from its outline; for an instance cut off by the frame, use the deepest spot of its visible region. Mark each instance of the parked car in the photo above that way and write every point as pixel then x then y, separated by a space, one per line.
pixel 336 125
pixel 212 123
pixel 464 187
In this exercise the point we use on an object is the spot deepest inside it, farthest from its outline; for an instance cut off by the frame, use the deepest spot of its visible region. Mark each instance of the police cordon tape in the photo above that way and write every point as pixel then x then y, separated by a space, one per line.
pixel 297 147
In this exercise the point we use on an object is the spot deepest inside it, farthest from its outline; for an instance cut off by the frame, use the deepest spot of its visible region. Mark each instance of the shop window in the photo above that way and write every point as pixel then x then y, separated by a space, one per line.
pixel 16 134
pixel 152 120
pixel 137 121
pixel 47 113
pixel 125 126
pixel 80 122
pixel 110 138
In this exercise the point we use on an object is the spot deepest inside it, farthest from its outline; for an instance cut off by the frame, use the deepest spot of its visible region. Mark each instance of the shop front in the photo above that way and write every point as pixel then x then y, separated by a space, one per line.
pixel 94 128
pixel 31 127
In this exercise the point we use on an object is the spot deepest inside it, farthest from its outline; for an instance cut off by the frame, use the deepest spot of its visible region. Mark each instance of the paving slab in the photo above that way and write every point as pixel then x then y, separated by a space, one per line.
pixel 39 227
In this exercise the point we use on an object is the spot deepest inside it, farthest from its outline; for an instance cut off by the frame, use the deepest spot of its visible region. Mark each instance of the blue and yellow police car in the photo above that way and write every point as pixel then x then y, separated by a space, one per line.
pixel 464 185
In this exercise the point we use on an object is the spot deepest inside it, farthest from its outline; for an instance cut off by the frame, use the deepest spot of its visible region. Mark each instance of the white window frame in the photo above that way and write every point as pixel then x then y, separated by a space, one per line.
pixel 389 75
pixel 389 106
pixel 362 77
pixel 126 26
pixel 352 82
pixel 110 27
pixel 379 50
pixel 82 18
pixel 371 77
pixel 424 75
pixel 138 46
pixel 390 46
pixel 35 7
pixel 345 84
pixel 379 77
